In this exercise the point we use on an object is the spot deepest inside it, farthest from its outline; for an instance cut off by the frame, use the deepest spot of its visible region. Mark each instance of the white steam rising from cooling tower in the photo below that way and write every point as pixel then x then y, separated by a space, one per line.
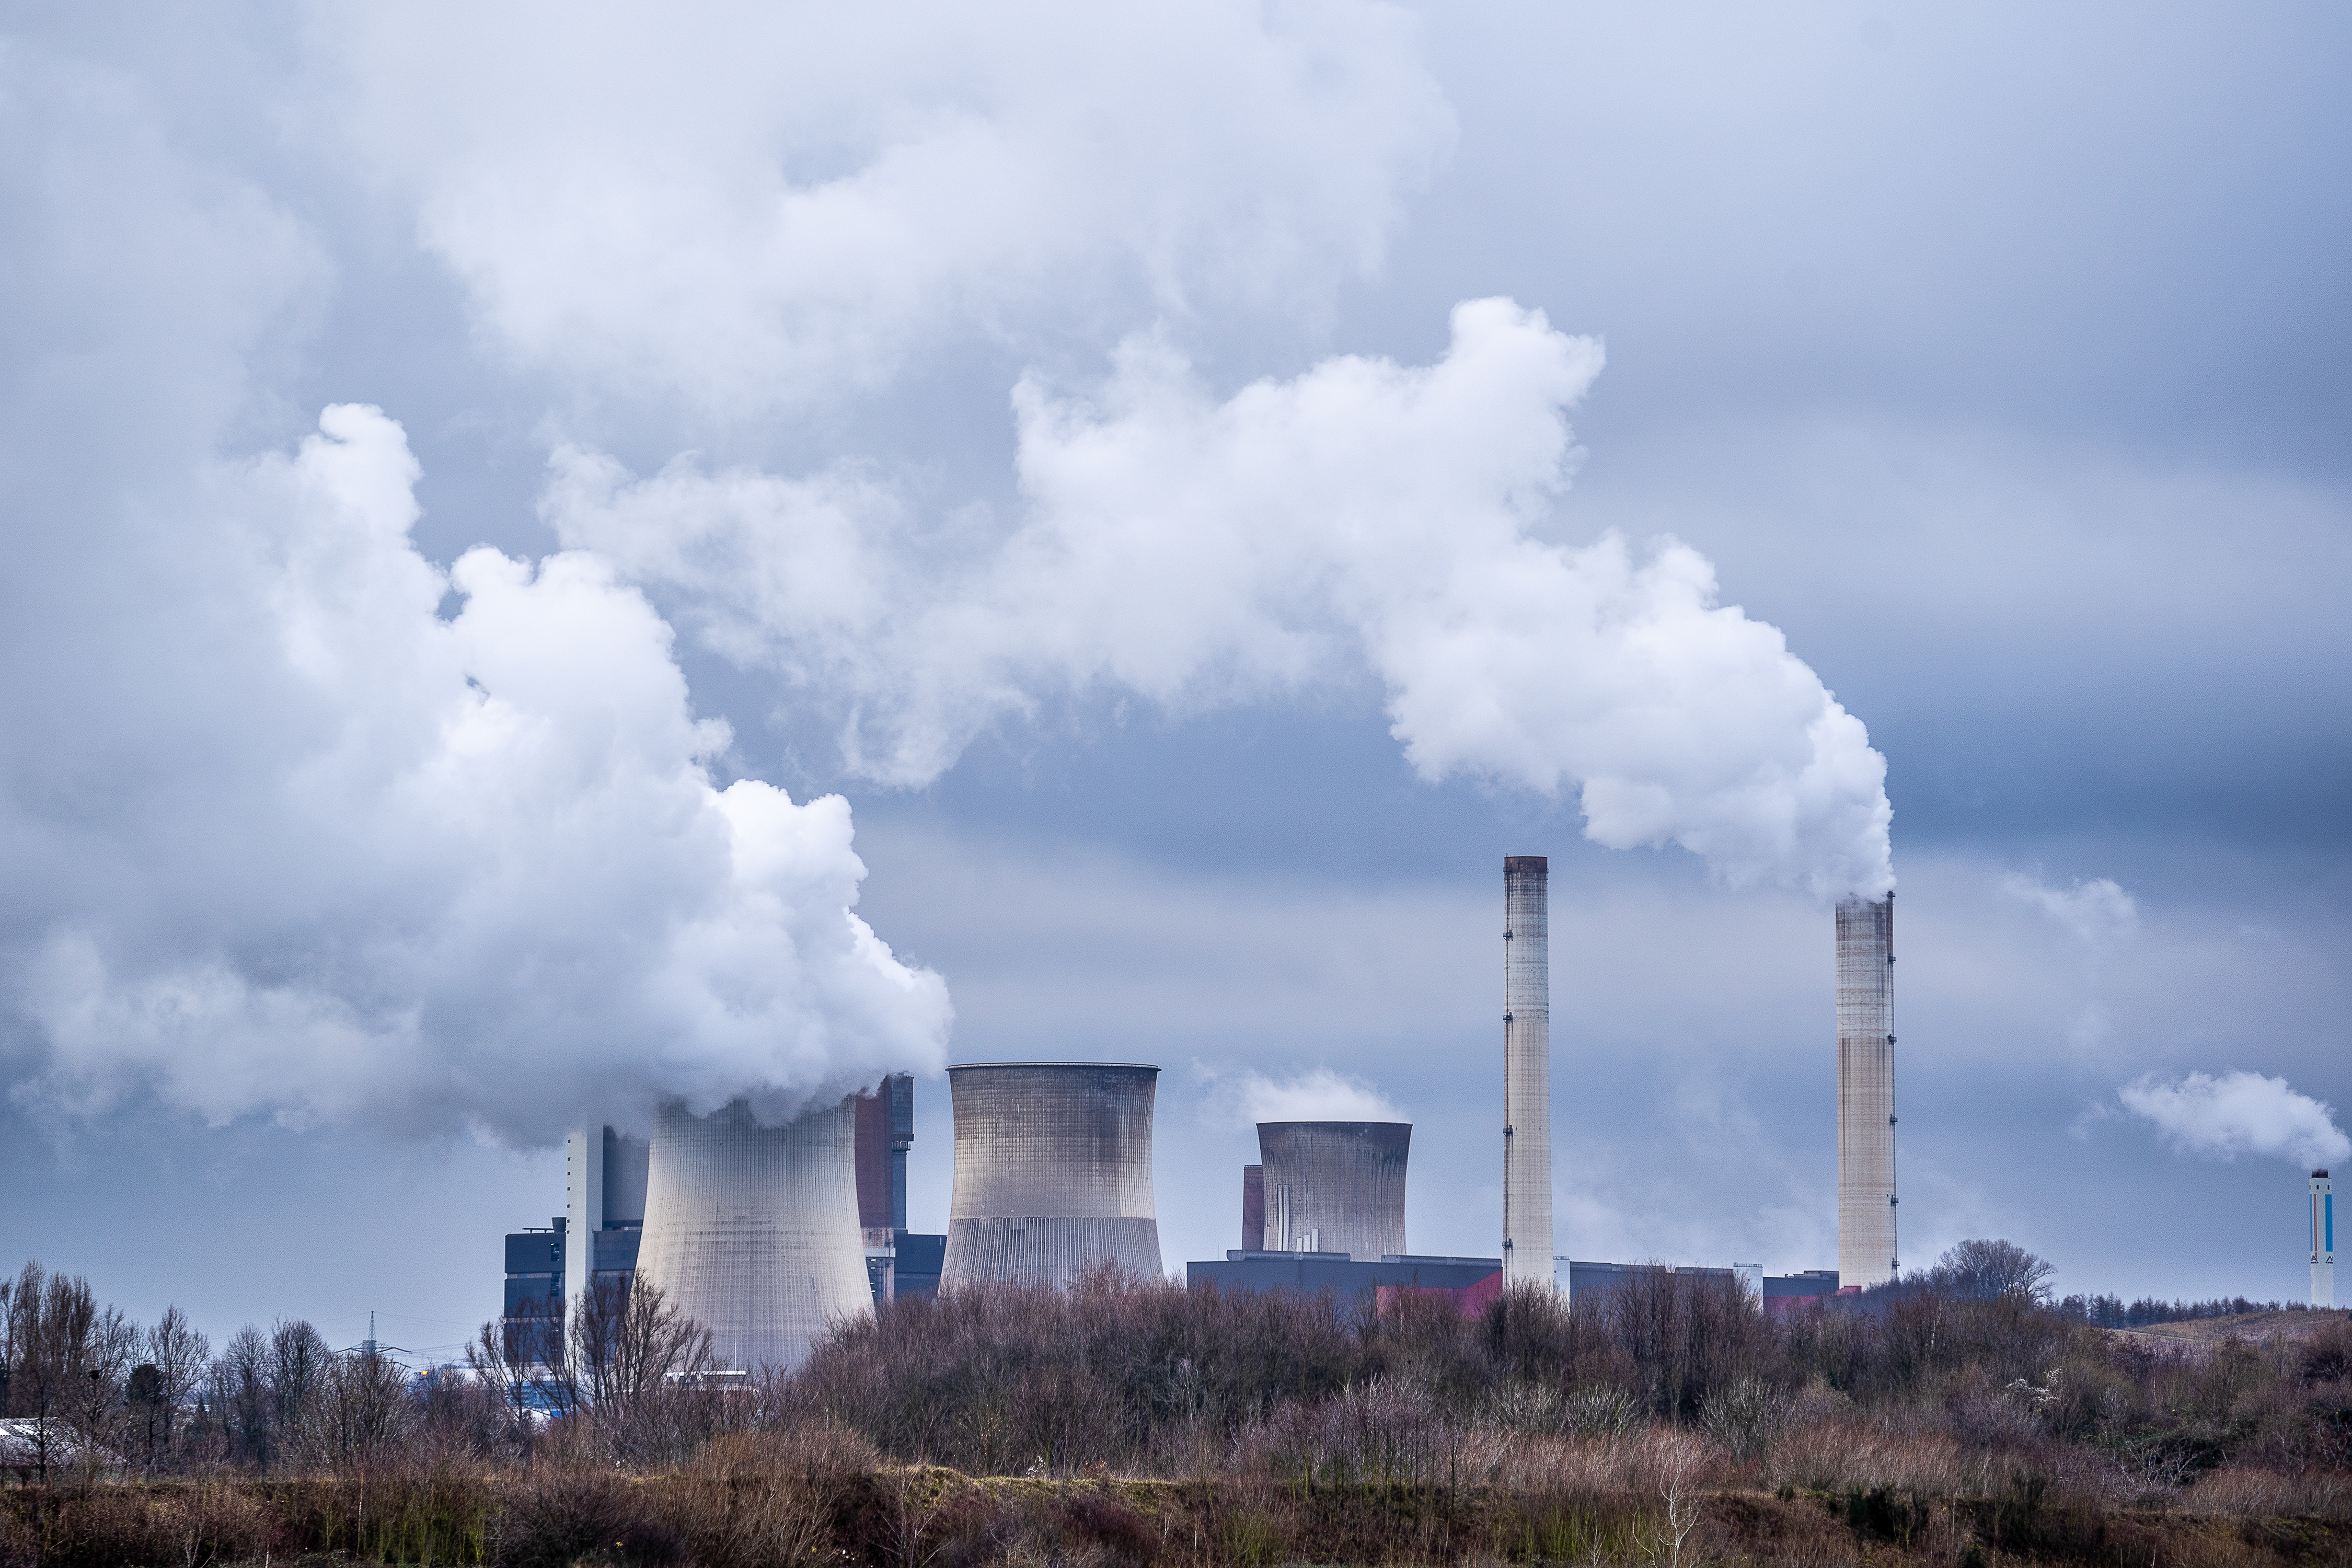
pixel 1335 1187
pixel 752 1231
pixel 1526 1070
pixel 1865 1027
pixel 1052 1173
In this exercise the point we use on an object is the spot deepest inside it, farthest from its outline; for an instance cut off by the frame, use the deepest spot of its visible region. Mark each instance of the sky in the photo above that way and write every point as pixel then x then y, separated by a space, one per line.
pixel 568 555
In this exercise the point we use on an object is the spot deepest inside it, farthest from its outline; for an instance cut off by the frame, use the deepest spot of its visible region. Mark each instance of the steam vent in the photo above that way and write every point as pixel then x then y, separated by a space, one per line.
pixel 1052 1173
pixel 752 1231
pixel 1866 1025
pixel 1526 1070
pixel 1334 1186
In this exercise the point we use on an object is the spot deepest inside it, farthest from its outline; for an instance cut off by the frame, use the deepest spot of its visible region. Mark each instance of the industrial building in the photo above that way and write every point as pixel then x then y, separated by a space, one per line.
pixel 1350 1279
pixel 1330 1186
pixel 1526 1070
pixel 1865 1091
pixel 1052 1173
pixel 2322 1240
pixel 765 1235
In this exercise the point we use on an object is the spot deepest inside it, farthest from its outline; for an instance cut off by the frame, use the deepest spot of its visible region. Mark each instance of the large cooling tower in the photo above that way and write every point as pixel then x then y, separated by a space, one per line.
pixel 1866 1025
pixel 1526 1070
pixel 752 1231
pixel 1052 1173
pixel 1335 1187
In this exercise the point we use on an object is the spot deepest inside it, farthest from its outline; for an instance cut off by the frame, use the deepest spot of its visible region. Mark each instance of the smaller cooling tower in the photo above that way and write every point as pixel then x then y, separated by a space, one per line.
pixel 1335 1187
pixel 752 1231
pixel 1052 1173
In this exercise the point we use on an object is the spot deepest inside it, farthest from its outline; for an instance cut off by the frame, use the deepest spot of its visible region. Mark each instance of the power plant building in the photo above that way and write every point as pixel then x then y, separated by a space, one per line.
pixel 1052 1173
pixel 1865 1091
pixel 1331 1187
pixel 1526 1070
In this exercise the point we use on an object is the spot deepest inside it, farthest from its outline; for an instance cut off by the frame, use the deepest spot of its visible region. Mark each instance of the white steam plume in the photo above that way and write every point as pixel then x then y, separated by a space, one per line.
pixel 2221 1118
pixel 2099 912
pixel 444 872
pixel 1365 515
pixel 1319 1094
pixel 747 206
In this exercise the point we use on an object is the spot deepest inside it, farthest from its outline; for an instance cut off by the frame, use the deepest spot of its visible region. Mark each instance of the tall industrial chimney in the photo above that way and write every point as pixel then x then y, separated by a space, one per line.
pixel 1866 1025
pixel 1526 1070
pixel 1052 1173
pixel 752 1231
pixel 2322 1240
pixel 1339 1183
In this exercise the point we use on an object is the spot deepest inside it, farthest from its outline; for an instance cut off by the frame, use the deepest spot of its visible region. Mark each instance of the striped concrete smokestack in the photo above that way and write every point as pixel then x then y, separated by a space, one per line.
pixel 752 1231
pixel 1866 1025
pixel 1052 1173
pixel 2322 1240
pixel 1526 1070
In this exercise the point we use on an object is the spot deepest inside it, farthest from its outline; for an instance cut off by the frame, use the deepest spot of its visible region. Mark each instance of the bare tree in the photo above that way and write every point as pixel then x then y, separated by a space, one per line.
pixel 240 1397
pixel 67 1360
pixel 179 1351
pixel 355 1413
pixel 628 1342
pixel 1988 1270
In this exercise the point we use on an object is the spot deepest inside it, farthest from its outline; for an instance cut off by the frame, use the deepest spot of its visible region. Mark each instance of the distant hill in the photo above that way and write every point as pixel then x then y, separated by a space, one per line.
pixel 2263 1325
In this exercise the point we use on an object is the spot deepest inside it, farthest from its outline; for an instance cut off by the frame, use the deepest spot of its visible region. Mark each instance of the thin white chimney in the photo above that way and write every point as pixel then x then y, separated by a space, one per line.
pixel 1865 1091
pixel 1526 1070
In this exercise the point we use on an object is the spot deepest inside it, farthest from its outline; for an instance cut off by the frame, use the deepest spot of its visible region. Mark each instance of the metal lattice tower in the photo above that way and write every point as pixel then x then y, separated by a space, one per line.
pixel 1866 1026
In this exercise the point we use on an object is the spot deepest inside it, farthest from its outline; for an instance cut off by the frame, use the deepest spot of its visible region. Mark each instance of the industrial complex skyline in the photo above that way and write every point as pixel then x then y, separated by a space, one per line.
pixel 660 558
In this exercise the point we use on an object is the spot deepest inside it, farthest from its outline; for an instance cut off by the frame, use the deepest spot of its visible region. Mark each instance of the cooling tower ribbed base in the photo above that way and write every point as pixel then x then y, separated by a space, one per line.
pixel 752 1231
pixel 1046 1249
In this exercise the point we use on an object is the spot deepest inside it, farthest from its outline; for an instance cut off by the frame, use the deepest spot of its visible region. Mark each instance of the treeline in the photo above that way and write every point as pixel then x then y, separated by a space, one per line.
pixel 94 1392
pixel 2114 1312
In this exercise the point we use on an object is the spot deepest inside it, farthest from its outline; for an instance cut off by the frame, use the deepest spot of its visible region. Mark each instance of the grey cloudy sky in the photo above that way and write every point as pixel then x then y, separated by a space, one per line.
pixel 1057 437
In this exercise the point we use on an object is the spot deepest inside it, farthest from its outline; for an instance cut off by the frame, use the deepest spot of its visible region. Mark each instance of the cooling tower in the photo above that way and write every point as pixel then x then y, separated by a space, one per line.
pixel 1526 1070
pixel 1052 1173
pixel 1336 1186
pixel 752 1231
pixel 1865 1024
pixel 2322 1240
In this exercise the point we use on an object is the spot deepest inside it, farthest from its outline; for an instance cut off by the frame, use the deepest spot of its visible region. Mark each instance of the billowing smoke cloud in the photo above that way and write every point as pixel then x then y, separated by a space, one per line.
pixel 754 206
pixel 1365 515
pixel 2099 912
pixel 2221 1118
pixel 475 870
pixel 1319 1094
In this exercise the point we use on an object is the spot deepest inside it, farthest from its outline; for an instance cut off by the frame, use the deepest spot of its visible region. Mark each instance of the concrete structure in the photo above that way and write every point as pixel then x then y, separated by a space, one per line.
pixel 752 1230
pixel 1334 1186
pixel 603 1205
pixel 1350 1279
pixel 1865 1091
pixel 1526 1070
pixel 2322 1240
pixel 1810 1287
pixel 1052 1173
pixel 1252 1206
